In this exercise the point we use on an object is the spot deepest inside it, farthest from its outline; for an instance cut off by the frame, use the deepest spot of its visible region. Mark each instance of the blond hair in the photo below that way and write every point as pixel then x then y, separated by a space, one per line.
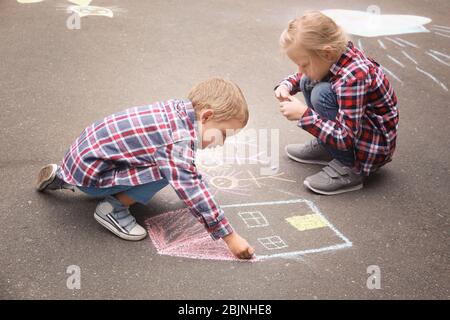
pixel 314 31
pixel 224 97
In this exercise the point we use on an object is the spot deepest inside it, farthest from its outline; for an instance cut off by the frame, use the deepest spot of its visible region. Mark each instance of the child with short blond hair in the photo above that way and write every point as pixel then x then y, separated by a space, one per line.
pixel 129 156
pixel 350 105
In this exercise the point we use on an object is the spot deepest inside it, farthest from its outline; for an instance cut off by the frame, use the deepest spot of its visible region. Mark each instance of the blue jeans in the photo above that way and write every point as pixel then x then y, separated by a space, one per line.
pixel 322 99
pixel 141 193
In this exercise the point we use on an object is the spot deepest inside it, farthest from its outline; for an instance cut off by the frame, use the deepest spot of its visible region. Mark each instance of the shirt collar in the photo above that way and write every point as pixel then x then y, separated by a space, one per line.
pixel 344 59
pixel 193 118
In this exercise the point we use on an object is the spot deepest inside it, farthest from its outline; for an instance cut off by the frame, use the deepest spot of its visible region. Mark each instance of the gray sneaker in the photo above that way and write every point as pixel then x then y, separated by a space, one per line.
pixel 334 179
pixel 115 217
pixel 311 152
pixel 48 180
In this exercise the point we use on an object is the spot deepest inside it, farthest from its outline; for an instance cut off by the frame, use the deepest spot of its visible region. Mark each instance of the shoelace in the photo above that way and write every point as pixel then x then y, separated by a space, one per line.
pixel 120 212
pixel 120 215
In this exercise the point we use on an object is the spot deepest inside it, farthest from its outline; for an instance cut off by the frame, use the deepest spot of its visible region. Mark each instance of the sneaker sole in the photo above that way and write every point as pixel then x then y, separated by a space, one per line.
pixel 46 176
pixel 108 225
pixel 320 162
pixel 330 193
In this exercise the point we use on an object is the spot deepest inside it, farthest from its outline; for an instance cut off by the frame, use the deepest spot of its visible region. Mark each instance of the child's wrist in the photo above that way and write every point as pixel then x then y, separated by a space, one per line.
pixel 229 237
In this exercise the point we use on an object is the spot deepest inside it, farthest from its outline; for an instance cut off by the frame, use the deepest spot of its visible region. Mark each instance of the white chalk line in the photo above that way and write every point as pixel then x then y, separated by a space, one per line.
pixel 396 61
pixel 254 179
pixel 395 41
pixel 268 203
pixel 304 252
pixel 409 57
pixel 275 177
pixel 438 59
pixel 332 227
pixel 440 30
pixel 360 46
pixel 392 74
pixel 443 27
pixel 347 243
pixel 443 35
pixel 432 78
pixel 440 54
pixel 381 44
pixel 407 42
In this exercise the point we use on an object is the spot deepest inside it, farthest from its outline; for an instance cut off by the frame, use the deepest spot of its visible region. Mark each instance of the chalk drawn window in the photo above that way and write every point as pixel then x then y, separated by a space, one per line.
pixel 254 219
pixel 273 243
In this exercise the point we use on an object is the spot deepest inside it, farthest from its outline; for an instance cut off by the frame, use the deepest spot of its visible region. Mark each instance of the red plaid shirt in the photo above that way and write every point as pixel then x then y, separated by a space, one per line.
pixel 141 145
pixel 367 119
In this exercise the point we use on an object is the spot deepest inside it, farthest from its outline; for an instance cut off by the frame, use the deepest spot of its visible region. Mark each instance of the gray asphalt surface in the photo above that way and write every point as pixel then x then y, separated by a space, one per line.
pixel 54 82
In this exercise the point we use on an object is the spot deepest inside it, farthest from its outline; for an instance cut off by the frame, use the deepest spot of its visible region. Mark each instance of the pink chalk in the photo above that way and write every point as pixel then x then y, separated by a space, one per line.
pixel 178 233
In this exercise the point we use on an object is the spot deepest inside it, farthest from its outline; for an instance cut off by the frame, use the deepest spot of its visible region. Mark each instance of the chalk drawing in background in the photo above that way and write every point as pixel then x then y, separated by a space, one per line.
pixel 304 229
pixel 178 233
pixel 83 8
pixel 29 1
pixel 307 222
pixel 254 219
pixel 230 180
pixel 273 243
pixel 403 54
pixel 371 23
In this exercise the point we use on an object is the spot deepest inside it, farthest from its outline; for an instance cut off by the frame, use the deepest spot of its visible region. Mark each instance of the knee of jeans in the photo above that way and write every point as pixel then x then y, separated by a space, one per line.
pixel 322 96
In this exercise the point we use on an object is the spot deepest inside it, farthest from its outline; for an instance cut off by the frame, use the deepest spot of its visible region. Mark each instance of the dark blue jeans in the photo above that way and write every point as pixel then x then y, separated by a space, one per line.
pixel 142 193
pixel 321 98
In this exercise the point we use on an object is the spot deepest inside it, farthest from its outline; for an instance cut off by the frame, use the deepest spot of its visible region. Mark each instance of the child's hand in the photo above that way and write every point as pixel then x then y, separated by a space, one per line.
pixel 282 93
pixel 239 246
pixel 293 109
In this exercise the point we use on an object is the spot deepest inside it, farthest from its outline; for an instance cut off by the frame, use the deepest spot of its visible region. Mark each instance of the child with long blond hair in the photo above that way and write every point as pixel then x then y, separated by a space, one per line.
pixel 350 105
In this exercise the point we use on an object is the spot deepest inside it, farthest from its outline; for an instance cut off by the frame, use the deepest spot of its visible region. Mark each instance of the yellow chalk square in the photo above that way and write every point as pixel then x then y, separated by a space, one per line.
pixel 307 222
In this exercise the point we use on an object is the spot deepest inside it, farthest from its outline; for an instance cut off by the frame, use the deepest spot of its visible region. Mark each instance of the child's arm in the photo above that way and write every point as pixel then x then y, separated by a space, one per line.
pixel 176 163
pixel 292 83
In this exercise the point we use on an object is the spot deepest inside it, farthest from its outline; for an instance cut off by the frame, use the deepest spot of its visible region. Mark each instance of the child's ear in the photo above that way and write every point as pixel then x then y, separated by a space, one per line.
pixel 206 115
pixel 328 53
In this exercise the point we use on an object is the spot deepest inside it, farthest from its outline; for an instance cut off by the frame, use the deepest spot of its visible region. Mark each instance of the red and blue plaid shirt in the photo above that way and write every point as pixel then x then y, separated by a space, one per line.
pixel 144 144
pixel 367 119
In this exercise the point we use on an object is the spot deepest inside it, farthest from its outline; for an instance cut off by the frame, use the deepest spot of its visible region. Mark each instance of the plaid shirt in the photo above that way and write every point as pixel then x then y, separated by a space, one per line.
pixel 141 145
pixel 367 119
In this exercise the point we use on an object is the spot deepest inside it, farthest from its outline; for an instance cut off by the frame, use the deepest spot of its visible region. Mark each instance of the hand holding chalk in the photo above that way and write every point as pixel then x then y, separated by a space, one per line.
pixel 239 246
pixel 292 109
pixel 282 93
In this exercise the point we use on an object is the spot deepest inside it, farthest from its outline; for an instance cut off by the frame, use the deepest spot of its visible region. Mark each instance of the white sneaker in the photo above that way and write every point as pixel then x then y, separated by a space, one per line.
pixel 115 217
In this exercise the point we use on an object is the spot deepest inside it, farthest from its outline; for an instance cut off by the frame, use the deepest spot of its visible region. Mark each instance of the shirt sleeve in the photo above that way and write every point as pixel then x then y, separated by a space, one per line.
pixel 292 82
pixel 341 132
pixel 176 163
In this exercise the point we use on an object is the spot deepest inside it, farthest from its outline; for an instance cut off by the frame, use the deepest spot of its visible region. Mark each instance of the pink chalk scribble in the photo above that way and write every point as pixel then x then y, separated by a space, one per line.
pixel 178 233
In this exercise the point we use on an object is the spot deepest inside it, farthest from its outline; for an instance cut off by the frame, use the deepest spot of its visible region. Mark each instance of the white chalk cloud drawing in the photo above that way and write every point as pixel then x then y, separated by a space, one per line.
pixel 82 8
pixel 403 54
pixel 372 23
